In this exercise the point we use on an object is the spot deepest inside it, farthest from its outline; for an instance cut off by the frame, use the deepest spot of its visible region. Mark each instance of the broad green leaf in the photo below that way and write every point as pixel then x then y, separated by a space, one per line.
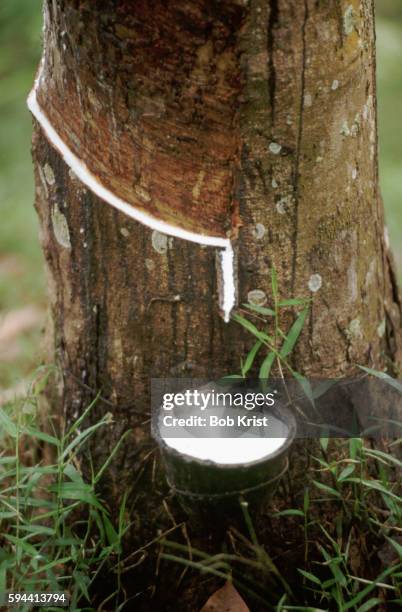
pixel 111 456
pixel 266 365
pixel 250 357
pixel 305 385
pixel 64 542
pixel 37 529
pixel 21 545
pixel 396 545
pixel 71 472
pixel 262 310
pixel 48 566
pixel 347 471
pixel 369 605
pixel 251 328
pixel 83 493
pixel 322 387
pixel 385 456
pixel 355 445
pixel 8 474
pixel 224 380
pixel 328 583
pixel 110 531
pixel 293 334
pixel 322 462
pixel 309 576
pixel 294 302
pixel 290 512
pixel 333 542
pixel 324 443
pixel 34 433
pixel 8 515
pixel 376 486
pixel 281 333
pixel 362 594
pixel 7 424
pixel 81 438
pixel 30 501
pixel 78 422
pixel 7 460
pixel 326 488
pixel 281 602
pixel 333 564
pixel 83 582
pixel 385 377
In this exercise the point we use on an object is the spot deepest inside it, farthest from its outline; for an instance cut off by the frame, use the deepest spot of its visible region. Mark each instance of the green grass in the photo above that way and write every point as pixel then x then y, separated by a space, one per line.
pixel 265 325
pixel 335 546
pixel 351 509
pixel 55 531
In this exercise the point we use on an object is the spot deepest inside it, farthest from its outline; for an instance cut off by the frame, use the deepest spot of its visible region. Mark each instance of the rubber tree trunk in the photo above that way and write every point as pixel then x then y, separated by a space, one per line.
pixel 281 96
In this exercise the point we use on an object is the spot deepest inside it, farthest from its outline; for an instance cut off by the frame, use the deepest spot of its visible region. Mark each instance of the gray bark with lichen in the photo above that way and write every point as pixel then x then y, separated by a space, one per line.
pixel 129 304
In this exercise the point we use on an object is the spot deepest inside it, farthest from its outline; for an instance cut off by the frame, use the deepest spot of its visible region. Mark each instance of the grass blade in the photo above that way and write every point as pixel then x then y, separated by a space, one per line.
pixel 251 357
pixel 293 334
pixel 385 377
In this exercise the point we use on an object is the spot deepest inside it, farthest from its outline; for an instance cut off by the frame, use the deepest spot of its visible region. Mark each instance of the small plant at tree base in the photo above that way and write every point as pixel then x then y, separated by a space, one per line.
pixel 276 345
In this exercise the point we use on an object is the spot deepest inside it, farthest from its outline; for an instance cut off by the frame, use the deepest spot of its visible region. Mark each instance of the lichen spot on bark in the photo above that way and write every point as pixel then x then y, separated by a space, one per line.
pixel 49 175
pixel 354 330
pixel 314 283
pixel 275 148
pixel 256 297
pixel 381 329
pixel 259 231
pixel 283 205
pixel 60 227
pixel 344 131
pixel 354 128
pixel 161 242
pixel 349 20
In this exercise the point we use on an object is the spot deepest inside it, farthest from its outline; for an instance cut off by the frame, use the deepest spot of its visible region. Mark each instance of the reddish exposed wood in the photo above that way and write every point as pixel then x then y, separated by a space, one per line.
pixel 146 94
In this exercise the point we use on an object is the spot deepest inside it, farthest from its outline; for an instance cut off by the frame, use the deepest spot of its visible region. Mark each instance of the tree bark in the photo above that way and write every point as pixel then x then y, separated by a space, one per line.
pixel 251 119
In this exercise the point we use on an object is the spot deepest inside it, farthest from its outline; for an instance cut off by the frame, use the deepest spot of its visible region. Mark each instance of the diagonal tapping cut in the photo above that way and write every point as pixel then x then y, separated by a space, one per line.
pixel 141 147
pixel 226 256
